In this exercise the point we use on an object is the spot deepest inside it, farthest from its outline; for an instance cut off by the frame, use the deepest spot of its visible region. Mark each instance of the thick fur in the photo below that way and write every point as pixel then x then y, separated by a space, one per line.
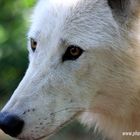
pixel 101 87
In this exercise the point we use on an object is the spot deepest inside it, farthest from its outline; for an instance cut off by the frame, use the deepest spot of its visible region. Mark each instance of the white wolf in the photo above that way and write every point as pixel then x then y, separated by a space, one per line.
pixel 85 64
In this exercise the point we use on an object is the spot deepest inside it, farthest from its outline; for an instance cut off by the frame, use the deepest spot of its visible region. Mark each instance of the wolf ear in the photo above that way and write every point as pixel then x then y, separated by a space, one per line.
pixel 125 10
pixel 119 6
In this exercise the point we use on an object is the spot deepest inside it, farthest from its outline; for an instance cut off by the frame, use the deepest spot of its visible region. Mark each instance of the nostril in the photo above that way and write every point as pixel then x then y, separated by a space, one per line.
pixel 11 124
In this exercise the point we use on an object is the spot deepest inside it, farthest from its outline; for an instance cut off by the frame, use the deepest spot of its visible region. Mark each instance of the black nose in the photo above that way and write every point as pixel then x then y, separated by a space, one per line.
pixel 11 124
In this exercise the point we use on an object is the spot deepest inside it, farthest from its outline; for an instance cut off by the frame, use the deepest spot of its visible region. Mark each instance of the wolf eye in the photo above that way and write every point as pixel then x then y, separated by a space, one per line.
pixel 72 53
pixel 33 44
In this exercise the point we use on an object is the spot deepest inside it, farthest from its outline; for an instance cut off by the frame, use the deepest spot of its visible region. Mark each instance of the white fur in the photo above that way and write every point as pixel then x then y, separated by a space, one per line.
pixel 101 87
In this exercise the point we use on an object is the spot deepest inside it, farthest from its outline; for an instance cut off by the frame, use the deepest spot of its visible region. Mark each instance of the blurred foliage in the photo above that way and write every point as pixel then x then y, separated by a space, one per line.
pixel 13 53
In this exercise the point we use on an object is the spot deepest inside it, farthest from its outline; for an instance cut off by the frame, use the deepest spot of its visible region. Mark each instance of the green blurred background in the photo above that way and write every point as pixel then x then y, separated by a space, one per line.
pixel 14 24
pixel 13 53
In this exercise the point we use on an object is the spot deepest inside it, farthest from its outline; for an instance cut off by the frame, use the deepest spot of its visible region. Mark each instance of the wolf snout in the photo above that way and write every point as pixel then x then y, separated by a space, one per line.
pixel 11 124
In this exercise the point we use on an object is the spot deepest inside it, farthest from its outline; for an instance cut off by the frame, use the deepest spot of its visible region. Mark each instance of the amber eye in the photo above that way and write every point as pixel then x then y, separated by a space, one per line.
pixel 33 44
pixel 72 53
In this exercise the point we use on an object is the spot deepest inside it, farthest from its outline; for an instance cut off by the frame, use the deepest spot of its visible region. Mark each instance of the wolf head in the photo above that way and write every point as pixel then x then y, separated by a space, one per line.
pixel 83 64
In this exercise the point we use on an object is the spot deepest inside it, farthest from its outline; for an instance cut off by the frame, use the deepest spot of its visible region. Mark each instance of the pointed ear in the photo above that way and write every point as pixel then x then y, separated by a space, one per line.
pixel 125 10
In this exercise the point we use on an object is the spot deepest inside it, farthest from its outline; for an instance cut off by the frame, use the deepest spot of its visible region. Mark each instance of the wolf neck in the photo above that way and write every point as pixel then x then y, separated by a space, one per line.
pixel 119 110
pixel 115 113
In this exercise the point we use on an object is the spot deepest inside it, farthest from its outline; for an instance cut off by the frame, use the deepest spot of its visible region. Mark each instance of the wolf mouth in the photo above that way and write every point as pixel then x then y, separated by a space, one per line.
pixel 56 130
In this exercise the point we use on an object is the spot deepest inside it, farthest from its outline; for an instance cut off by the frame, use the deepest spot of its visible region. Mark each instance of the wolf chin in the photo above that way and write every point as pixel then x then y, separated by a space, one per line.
pixel 84 64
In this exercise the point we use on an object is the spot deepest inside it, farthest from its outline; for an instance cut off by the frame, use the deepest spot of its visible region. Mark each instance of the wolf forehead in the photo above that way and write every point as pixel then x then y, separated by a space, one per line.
pixel 80 19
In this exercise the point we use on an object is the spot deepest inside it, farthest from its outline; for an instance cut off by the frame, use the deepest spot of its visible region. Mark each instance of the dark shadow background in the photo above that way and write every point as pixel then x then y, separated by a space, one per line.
pixel 14 60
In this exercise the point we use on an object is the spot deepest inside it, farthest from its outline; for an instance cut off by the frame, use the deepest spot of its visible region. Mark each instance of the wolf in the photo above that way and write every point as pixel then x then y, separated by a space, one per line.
pixel 84 63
